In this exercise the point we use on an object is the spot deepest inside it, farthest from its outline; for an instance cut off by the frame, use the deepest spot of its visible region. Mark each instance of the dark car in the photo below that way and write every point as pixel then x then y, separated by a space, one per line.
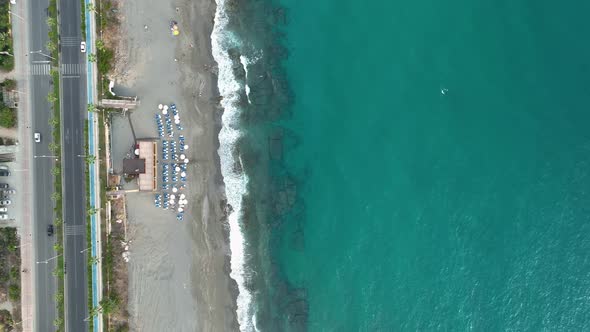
pixel 4 172
pixel 50 230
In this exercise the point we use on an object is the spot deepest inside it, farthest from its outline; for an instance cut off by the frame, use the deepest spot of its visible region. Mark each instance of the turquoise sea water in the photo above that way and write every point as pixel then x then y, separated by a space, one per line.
pixel 393 207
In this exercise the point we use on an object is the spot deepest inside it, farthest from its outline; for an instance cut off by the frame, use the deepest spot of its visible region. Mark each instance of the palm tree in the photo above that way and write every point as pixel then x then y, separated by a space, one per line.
pixel 53 147
pixel 100 45
pixel 53 121
pixel 55 196
pixel 93 260
pixel 92 211
pixel 50 46
pixel 51 98
pixel 90 159
pixel 92 108
pixel 58 247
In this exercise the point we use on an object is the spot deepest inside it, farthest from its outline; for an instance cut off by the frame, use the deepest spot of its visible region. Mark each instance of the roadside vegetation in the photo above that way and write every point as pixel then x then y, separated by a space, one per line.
pixel 106 18
pixel 9 278
pixel 6 51
pixel 8 117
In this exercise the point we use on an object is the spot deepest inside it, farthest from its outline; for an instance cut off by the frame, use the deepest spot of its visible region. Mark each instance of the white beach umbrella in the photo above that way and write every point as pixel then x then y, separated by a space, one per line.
pixel 180 209
pixel 182 196
pixel 176 117
pixel 177 121
pixel 165 107
pixel 174 189
pixel 160 106
pixel 183 174
pixel 164 112
pixel 186 147
pixel 186 161
pixel 182 156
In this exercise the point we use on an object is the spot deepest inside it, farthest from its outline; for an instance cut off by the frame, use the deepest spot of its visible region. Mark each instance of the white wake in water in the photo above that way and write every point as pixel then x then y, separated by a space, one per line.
pixel 235 181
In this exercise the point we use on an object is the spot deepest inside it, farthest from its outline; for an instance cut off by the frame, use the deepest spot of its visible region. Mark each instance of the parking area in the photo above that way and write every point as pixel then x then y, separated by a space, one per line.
pixel 9 207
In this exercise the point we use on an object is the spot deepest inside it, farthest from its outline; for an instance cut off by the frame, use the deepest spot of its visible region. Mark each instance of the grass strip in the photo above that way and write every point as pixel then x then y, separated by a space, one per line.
pixel 55 148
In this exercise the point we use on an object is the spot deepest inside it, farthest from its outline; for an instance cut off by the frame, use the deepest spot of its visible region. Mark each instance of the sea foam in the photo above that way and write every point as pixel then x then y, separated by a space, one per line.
pixel 235 180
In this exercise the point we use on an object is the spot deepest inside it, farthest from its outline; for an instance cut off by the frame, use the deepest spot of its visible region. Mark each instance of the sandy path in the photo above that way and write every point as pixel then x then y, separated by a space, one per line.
pixel 179 271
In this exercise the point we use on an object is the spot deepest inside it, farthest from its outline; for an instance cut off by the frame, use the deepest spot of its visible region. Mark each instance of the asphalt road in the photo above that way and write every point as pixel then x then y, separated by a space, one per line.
pixel 40 85
pixel 73 103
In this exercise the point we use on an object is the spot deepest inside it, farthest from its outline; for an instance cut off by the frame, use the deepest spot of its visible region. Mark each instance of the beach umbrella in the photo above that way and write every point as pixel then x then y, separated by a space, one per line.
pixel 164 112
pixel 177 169
pixel 165 107
pixel 174 189
pixel 176 121
pixel 186 147
pixel 182 196
pixel 186 161
pixel 176 116
pixel 182 156
pixel 183 174
pixel 160 106
pixel 137 152
pixel 180 209
pixel 171 201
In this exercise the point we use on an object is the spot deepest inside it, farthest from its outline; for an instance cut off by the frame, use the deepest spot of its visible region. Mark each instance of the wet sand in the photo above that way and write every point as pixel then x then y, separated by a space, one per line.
pixel 178 271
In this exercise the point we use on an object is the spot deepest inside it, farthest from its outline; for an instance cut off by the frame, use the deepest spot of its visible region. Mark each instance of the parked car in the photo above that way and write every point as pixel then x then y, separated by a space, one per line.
pixel 37 137
pixel 3 185
pixel 4 167
pixel 8 191
pixel 5 202
pixel 83 47
pixel 3 216
pixel 49 230
pixel 4 172
pixel 3 209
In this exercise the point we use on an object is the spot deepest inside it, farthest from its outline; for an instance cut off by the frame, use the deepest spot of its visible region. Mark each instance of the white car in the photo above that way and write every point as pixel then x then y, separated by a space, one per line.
pixel 3 209
pixel 83 47
pixel 3 216
pixel 37 137
pixel 5 202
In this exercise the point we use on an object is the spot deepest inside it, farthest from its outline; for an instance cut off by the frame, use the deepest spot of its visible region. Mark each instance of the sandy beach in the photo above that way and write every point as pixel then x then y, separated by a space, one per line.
pixel 178 271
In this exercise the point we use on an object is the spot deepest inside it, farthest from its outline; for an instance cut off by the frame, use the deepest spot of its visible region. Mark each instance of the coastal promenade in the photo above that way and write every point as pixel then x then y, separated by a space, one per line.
pixel 93 169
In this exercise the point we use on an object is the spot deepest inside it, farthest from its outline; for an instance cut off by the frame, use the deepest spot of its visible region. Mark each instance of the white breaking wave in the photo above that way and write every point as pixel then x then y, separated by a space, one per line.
pixel 235 181
pixel 244 62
